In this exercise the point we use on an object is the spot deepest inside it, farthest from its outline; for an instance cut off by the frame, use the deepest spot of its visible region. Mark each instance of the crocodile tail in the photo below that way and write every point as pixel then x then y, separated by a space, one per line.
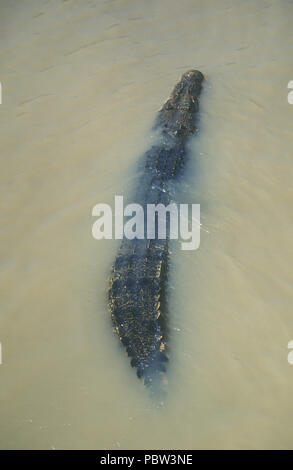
pixel 138 303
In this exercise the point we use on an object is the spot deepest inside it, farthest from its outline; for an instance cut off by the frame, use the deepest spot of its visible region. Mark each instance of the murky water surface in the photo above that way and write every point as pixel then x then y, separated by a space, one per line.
pixel 82 82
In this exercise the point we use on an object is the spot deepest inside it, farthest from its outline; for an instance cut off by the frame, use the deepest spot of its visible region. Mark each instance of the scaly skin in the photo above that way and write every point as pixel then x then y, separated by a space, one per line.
pixel 138 283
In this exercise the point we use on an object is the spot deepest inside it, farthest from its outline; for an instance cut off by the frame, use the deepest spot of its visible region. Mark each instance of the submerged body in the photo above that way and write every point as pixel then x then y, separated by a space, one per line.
pixel 138 283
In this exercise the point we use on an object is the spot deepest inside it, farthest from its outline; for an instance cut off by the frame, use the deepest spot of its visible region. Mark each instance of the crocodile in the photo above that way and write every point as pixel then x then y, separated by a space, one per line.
pixel 138 299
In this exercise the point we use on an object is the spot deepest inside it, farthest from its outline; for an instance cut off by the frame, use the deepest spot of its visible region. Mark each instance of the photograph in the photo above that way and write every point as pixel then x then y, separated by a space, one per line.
pixel 146 228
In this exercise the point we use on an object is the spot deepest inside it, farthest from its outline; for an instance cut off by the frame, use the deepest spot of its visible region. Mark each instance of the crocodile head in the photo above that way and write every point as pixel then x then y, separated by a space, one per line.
pixel 177 117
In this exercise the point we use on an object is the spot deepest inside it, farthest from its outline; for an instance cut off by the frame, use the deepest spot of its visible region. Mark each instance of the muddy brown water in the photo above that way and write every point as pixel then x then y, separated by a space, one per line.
pixel 81 84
